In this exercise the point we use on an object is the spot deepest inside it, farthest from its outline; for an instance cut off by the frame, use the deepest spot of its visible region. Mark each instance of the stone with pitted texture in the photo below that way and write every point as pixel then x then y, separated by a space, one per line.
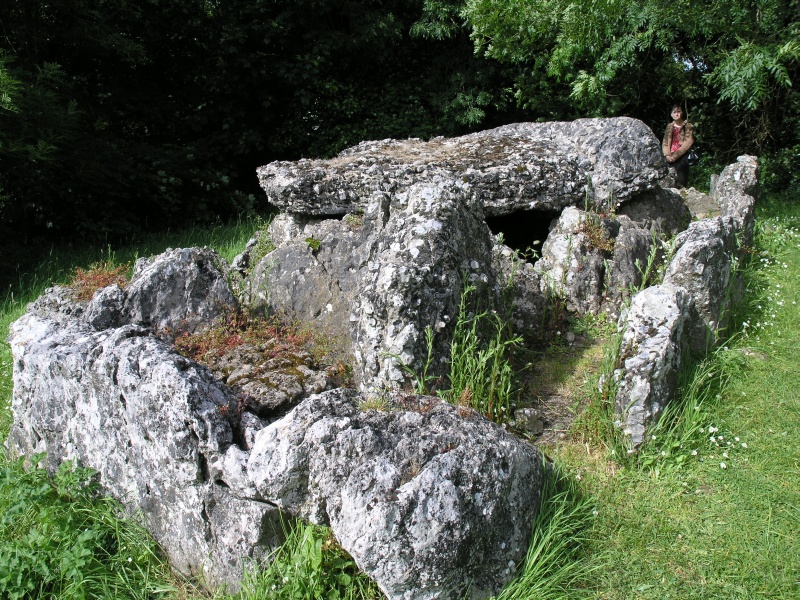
pixel 122 402
pixel 430 504
pixel 511 168
pixel 650 356
pixel 703 265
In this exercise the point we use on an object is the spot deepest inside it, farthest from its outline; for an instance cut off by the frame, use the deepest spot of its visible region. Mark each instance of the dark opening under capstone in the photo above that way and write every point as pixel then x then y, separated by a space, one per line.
pixel 524 230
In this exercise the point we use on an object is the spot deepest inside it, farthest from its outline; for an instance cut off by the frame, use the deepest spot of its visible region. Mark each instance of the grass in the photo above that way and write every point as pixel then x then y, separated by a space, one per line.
pixel 718 517
pixel 709 509
pixel 60 539
pixel 557 566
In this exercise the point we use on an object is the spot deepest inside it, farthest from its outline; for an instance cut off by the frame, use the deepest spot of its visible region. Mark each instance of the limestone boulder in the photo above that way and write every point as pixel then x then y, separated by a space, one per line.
pixel 184 289
pixel 571 266
pixel 702 265
pixel 514 167
pixel 382 277
pixel 626 268
pixel 663 211
pixel 122 402
pixel 738 191
pixel 433 501
pixel 651 351
pixel 430 504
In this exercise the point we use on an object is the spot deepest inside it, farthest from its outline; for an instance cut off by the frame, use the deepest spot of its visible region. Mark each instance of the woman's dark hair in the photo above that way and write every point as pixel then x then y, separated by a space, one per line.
pixel 678 106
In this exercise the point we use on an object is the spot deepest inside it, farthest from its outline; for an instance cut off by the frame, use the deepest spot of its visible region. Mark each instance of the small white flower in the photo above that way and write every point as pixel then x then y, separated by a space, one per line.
pixel 663 453
pixel 724 455
pixel 736 438
pixel 694 452
pixel 744 445
pixel 722 465
pixel 712 439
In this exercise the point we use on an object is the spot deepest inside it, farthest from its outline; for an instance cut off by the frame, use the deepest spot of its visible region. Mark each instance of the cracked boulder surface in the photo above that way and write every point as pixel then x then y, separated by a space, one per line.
pixel 431 504
pixel 122 402
pixel 434 502
pixel 521 166
pixel 411 230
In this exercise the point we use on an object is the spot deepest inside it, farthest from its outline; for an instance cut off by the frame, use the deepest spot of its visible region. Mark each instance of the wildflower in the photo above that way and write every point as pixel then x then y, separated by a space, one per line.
pixel 725 455
pixel 744 445
pixel 712 439
pixel 736 438
pixel 694 452
pixel 722 465
pixel 663 453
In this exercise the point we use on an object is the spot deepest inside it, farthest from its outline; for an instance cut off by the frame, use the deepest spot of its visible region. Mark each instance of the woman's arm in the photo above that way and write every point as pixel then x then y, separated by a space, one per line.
pixel 667 142
pixel 688 141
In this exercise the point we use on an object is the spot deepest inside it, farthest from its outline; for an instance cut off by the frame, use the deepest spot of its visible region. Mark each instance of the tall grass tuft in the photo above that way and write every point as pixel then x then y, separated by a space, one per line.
pixel 481 374
pixel 60 539
pixel 556 566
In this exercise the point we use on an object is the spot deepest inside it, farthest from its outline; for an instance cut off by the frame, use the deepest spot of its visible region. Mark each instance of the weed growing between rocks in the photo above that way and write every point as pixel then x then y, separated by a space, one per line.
pixel 264 245
pixel 60 539
pixel 85 282
pixel 309 564
pixel 481 375
pixel 273 336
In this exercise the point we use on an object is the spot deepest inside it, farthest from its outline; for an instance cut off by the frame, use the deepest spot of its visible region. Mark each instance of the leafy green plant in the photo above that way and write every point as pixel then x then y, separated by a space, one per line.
pixel 310 565
pixel 313 243
pixel 60 539
pixel 354 220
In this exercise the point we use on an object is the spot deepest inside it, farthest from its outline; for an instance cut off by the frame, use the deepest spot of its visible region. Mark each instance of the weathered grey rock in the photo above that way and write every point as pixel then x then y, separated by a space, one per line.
pixel 106 308
pixel 702 206
pixel 737 191
pixel 529 420
pixel 661 210
pixel 184 290
pixel 268 379
pixel 702 265
pixel 511 168
pixel 430 505
pixel 383 279
pixel 628 263
pixel 650 353
pixel 521 286
pixel 570 267
pixel 149 421
pixel 179 290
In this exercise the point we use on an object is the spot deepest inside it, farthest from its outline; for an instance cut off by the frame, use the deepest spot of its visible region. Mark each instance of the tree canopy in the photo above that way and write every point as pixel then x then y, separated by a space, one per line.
pixel 122 114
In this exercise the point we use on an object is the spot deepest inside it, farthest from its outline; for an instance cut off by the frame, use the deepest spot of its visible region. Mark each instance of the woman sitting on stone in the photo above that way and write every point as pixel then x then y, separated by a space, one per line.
pixel 678 138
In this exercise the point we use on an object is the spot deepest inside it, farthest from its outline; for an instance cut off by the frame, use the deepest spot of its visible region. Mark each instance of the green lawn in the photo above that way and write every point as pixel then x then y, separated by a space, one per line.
pixel 727 523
